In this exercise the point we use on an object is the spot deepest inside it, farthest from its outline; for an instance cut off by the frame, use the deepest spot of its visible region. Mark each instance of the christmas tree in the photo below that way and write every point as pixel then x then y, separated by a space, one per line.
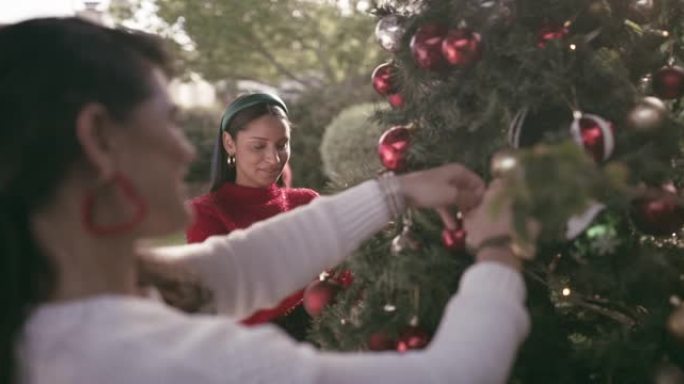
pixel 577 105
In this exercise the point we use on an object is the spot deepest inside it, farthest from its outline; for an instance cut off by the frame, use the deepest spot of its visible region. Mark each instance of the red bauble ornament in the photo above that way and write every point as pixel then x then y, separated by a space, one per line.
pixel 318 295
pixel 379 341
pixel 668 82
pixel 384 79
pixel 454 239
pixel 659 213
pixel 426 47
pixel 412 338
pixel 462 47
pixel 595 134
pixel 549 32
pixel 344 278
pixel 396 100
pixel 393 146
pixel 453 234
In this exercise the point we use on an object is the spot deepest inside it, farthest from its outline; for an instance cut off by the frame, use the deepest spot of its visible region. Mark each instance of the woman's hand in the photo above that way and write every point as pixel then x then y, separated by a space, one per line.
pixel 484 224
pixel 441 187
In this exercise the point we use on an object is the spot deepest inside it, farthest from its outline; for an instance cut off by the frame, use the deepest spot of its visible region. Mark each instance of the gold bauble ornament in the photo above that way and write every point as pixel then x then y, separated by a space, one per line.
pixel 503 163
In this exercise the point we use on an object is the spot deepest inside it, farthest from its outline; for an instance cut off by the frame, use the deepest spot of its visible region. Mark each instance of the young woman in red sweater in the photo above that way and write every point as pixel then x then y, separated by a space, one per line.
pixel 251 152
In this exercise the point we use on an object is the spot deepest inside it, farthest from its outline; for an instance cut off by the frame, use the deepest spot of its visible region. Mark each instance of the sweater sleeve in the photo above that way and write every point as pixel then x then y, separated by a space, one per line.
pixel 246 270
pixel 481 331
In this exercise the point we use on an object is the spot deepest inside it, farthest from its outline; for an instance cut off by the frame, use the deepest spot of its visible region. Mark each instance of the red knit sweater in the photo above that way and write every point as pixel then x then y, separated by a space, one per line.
pixel 235 207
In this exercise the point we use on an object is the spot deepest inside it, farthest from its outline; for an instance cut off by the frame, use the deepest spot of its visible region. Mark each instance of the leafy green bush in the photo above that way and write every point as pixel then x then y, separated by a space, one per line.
pixel 311 112
pixel 348 148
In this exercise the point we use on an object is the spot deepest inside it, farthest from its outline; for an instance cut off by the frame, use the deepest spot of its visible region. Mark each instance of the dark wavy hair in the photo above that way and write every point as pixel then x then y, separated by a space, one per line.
pixel 220 171
pixel 49 70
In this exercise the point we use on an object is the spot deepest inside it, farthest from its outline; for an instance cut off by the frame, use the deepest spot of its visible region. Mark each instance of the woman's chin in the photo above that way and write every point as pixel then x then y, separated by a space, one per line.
pixel 271 181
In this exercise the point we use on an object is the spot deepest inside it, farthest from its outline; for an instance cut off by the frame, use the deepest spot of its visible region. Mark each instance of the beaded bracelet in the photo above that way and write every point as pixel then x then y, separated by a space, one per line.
pixel 390 187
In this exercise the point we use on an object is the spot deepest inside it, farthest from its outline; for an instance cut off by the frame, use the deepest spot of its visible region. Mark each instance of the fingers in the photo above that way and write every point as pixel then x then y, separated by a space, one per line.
pixel 447 218
pixel 470 187
pixel 445 186
pixel 468 179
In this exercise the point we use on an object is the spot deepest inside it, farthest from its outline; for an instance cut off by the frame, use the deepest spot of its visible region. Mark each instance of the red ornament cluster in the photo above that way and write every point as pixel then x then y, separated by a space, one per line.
pixel 462 47
pixel 668 82
pixel 453 234
pixel 549 32
pixel 595 134
pixel 345 278
pixel 379 341
pixel 410 338
pixel 658 213
pixel 321 293
pixel 393 147
pixel 434 47
pixel 396 100
pixel 384 79
pixel 454 239
pixel 426 47
pixel 318 295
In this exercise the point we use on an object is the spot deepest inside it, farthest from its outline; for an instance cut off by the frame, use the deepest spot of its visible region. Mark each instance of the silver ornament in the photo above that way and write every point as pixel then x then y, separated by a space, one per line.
pixel 515 128
pixel 642 10
pixel 578 223
pixel 404 241
pixel 494 12
pixel 389 32
pixel 648 115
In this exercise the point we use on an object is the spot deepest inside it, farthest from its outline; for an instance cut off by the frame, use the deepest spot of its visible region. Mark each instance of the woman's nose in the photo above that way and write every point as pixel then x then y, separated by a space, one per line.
pixel 273 156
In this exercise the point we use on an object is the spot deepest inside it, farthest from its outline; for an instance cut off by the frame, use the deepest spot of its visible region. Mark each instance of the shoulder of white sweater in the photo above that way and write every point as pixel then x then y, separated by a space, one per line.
pixel 117 339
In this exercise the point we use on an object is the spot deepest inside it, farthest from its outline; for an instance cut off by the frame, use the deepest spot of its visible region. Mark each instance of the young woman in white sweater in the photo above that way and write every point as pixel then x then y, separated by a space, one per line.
pixel 91 161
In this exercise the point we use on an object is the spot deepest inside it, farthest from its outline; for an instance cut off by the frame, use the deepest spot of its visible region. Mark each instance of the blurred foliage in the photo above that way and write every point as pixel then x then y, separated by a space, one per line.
pixel 201 127
pixel 307 42
pixel 348 148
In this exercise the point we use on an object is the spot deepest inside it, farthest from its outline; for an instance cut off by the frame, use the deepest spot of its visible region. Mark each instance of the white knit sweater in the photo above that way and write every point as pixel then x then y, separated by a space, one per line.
pixel 122 339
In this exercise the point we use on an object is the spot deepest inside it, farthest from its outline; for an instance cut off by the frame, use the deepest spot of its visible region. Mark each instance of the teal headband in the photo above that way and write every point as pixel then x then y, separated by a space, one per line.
pixel 244 102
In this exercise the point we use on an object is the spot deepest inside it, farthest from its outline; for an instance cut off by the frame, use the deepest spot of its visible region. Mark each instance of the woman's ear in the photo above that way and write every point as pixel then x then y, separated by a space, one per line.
pixel 95 132
pixel 229 144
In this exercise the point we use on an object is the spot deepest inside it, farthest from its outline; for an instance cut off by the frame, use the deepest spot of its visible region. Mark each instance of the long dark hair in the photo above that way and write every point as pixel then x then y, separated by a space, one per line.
pixel 220 171
pixel 49 69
